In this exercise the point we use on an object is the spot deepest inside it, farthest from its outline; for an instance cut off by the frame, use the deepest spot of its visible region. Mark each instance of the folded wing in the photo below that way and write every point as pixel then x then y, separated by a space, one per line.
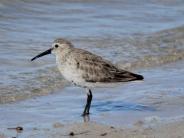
pixel 96 69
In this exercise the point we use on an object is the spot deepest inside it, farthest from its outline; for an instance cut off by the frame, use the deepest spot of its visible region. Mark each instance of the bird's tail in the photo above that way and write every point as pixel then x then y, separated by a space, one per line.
pixel 137 76
pixel 124 76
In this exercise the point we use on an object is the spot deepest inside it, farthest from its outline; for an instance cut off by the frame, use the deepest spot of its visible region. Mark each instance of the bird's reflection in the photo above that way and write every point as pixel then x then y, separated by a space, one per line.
pixel 86 118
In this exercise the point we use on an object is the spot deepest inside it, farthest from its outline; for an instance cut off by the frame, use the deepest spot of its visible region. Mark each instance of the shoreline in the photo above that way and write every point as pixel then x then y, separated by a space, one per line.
pixel 96 130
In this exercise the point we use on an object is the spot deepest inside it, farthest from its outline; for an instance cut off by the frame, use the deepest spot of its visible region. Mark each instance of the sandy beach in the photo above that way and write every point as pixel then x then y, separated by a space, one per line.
pixel 95 130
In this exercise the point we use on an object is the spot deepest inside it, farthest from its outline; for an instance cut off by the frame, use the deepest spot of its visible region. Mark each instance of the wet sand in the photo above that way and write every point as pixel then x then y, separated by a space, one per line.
pixel 93 130
pixel 96 130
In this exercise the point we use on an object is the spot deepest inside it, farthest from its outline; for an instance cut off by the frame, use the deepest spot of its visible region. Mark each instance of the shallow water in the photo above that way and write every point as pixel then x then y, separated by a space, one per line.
pixel 152 101
pixel 132 34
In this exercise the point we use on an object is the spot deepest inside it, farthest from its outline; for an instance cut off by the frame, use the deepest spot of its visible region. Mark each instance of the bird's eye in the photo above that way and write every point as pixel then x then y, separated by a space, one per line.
pixel 56 46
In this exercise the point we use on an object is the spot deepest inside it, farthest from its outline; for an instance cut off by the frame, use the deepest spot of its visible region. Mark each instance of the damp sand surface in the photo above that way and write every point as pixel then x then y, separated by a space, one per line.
pixel 158 100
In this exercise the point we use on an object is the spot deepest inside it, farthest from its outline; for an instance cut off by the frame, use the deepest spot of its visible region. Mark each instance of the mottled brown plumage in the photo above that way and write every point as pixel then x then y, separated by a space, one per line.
pixel 95 69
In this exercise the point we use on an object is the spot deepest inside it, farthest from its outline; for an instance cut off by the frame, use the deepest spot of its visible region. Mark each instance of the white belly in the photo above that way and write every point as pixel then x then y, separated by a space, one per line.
pixel 71 74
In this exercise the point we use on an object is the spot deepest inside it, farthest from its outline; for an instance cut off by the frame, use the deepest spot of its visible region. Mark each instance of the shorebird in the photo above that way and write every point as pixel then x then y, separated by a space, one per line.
pixel 86 69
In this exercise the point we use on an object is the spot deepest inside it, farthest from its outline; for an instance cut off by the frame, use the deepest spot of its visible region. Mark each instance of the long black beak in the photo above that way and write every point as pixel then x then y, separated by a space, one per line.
pixel 42 54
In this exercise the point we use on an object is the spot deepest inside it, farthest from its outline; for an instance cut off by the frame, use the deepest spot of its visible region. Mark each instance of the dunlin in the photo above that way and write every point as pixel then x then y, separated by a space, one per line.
pixel 86 69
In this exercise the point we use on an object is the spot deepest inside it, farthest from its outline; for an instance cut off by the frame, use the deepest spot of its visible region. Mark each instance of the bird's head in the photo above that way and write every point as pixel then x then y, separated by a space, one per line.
pixel 58 46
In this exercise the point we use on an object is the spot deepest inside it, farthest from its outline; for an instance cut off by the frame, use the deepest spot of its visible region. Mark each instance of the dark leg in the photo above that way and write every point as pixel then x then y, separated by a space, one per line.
pixel 88 104
pixel 90 99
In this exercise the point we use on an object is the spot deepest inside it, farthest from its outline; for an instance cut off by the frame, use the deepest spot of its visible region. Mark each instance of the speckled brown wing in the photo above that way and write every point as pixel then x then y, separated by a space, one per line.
pixel 96 69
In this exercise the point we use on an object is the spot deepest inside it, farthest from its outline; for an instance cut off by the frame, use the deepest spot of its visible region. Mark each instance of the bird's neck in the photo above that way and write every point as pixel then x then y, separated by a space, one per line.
pixel 62 55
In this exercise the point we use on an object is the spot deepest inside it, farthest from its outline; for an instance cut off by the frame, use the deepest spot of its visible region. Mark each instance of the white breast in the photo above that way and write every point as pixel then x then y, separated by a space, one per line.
pixel 70 73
